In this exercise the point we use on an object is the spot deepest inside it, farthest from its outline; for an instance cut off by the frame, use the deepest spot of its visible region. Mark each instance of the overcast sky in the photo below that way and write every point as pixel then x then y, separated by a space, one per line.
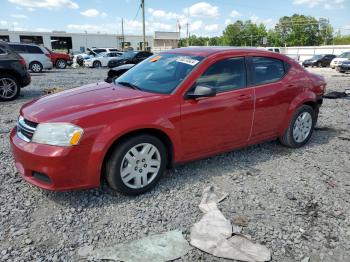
pixel 205 18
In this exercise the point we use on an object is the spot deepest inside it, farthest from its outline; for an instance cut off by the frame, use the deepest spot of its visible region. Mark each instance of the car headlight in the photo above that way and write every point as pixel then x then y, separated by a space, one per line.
pixel 57 134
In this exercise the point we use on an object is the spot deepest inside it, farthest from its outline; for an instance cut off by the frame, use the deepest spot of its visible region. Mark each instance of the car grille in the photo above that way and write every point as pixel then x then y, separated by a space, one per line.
pixel 25 129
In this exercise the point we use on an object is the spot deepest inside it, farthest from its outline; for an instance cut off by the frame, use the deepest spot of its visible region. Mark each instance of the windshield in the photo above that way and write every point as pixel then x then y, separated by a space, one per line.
pixel 345 55
pixel 316 57
pixel 160 73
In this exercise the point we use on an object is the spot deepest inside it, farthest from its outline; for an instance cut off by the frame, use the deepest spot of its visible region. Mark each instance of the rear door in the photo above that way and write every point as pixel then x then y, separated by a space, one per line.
pixel 274 91
pixel 215 123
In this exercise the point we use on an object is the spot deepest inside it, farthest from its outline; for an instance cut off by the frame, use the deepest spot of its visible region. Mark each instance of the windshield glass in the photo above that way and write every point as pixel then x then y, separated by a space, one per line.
pixel 160 73
pixel 316 57
pixel 345 55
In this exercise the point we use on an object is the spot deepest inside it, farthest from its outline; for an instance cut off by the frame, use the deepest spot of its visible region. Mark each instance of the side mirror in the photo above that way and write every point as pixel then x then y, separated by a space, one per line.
pixel 201 91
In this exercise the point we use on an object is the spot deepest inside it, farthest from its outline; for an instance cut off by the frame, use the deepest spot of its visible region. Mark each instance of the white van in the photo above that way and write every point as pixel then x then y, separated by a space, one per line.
pixel 37 58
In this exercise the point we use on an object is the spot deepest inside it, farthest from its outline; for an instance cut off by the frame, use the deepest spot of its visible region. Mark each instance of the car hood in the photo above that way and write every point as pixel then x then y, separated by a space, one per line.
pixel 72 104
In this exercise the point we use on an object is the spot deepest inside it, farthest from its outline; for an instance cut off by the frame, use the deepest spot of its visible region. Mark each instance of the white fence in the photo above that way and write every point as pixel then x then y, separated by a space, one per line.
pixel 305 52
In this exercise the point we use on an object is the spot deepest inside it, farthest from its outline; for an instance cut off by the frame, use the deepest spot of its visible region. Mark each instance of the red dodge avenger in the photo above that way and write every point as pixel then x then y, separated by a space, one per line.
pixel 174 107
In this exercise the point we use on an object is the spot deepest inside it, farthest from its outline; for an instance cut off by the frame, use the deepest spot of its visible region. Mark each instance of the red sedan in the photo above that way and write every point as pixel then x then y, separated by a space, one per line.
pixel 174 107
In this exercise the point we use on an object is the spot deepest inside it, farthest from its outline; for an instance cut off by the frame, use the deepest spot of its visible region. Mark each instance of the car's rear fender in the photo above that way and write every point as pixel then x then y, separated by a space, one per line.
pixel 307 97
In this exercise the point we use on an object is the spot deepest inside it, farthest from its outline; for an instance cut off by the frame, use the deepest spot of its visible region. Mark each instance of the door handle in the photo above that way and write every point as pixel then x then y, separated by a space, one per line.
pixel 244 97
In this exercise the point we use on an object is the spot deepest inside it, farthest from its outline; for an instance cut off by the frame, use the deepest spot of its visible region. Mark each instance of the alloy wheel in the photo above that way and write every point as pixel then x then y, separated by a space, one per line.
pixel 36 68
pixel 140 165
pixel 8 88
pixel 61 64
pixel 302 127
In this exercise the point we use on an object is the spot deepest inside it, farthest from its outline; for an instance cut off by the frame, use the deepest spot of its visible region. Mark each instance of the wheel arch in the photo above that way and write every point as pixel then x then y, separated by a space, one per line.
pixel 161 135
pixel 306 98
pixel 14 74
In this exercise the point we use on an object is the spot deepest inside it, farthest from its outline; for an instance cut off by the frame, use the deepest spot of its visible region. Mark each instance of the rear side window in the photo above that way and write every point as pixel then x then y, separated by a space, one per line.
pixel 267 70
pixel 99 50
pixel 18 48
pixel 34 49
pixel 225 75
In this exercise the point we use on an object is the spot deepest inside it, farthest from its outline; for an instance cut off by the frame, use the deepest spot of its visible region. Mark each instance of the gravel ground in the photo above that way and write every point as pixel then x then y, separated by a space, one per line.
pixel 296 202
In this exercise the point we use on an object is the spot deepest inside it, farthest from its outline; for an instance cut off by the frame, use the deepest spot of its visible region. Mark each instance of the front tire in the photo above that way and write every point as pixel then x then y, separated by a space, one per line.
pixel 300 128
pixel 9 87
pixel 61 64
pixel 36 67
pixel 136 165
pixel 96 64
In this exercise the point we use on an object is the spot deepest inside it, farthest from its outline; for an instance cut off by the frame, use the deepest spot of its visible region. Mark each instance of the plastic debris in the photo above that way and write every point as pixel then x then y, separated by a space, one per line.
pixel 156 248
pixel 213 233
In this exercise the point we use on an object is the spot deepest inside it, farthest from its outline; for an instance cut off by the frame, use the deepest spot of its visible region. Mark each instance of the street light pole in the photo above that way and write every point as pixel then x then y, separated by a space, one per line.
pixel 143 24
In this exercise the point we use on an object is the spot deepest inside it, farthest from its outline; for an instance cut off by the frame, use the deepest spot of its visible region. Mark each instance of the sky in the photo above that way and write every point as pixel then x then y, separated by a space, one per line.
pixel 204 18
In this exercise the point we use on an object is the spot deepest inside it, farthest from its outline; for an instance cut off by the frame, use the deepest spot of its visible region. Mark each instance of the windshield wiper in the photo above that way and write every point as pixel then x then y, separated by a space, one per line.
pixel 129 85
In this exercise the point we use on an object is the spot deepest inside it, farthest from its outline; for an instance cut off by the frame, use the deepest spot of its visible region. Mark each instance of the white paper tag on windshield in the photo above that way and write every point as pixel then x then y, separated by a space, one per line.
pixel 187 60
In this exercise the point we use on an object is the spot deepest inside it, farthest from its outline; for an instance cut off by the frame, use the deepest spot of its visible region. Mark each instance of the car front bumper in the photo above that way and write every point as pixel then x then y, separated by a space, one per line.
pixel 88 63
pixel 52 167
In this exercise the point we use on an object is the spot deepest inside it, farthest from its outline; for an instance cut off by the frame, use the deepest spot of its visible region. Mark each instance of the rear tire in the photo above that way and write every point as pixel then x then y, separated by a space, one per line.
pixel 61 64
pixel 36 67
pixel 136 165
pixel 9 87
pixel 300 128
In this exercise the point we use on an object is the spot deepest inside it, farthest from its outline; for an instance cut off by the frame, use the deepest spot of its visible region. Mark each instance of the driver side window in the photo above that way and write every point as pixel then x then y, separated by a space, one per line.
pixel 225 75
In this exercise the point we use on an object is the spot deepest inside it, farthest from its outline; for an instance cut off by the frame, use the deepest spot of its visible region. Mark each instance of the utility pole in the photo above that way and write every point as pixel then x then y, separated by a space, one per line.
pixel 187 35
pixel 143 25
pixel 123 37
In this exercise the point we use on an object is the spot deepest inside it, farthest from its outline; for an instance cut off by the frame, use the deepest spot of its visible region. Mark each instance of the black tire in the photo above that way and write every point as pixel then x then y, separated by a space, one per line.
pixel 288 139
pixel 96 64
pixel 114 163
pixel 61 64
pixel 319 64
pixel 15 86
pixel 36 67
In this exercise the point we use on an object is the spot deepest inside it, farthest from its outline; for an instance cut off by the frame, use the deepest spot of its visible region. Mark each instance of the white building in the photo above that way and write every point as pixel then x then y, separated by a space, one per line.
pixel 80 41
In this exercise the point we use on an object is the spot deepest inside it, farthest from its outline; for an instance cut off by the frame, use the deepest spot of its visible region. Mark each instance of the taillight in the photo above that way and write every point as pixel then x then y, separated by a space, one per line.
pixel 22 61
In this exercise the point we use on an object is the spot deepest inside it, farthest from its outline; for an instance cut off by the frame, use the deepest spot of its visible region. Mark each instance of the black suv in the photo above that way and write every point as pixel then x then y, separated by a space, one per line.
pixel 319 60
pixel 13 73
pixel 131 57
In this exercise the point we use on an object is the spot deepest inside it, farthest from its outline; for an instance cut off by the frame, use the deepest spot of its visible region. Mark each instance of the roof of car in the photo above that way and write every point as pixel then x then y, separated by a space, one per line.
pixel 210 50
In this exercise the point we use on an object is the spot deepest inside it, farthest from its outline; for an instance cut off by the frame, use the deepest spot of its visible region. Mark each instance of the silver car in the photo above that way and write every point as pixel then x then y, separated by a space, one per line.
pixel 37 58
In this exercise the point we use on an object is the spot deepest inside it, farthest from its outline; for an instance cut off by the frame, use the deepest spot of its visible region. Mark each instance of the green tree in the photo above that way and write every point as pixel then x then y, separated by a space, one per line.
pixel 232 35
pixel 342 40
pixel 299 30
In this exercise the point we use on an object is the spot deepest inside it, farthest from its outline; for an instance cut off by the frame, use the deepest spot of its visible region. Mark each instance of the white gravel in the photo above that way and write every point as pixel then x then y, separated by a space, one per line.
pixel 296 202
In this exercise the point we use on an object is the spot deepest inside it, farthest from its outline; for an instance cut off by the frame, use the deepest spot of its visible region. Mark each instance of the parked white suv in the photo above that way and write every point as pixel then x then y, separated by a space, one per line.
pixel 340 59
pixel 37 58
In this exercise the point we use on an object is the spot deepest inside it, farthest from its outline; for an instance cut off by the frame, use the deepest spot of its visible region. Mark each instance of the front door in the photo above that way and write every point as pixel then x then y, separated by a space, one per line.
pixel 215 123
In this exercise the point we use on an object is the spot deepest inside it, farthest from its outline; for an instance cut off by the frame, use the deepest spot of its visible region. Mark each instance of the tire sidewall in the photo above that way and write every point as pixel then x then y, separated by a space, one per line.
pixel 17 86
pixel 36 63
pixel 113 166
pixel 300 110
pixel 60 61
pixel 96 64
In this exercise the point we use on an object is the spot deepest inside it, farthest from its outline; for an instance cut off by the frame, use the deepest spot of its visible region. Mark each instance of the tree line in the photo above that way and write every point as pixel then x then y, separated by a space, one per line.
pixel 295 30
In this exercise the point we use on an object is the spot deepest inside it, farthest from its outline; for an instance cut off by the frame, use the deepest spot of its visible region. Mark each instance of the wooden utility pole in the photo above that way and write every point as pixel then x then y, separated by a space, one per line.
pixel 123 37
pixel 143 24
